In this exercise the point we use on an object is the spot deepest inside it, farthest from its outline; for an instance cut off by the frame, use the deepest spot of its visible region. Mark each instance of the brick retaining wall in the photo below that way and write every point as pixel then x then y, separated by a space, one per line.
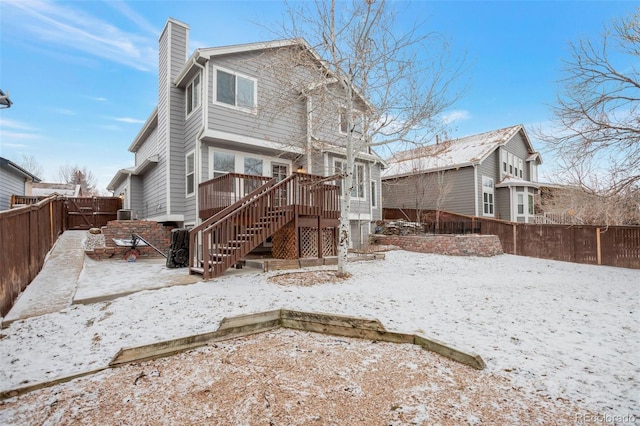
pixel 154 232
pixel 453 245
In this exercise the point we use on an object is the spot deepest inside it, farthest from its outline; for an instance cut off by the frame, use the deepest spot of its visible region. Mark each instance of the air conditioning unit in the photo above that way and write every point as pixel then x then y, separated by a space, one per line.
pixel 126 214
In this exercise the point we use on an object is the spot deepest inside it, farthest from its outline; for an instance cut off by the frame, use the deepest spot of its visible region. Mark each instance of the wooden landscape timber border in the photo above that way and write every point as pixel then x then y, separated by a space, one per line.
pixel 244 325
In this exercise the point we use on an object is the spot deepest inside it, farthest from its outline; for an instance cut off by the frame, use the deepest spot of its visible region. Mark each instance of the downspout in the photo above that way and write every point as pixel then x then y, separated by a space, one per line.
pixel 309 130
pixel 475 188
pixel 198 152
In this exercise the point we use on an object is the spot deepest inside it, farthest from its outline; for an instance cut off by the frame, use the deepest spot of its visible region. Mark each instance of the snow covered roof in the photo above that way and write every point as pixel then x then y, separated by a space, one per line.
pixel 48 188
pixel 450 154
pixel 515 181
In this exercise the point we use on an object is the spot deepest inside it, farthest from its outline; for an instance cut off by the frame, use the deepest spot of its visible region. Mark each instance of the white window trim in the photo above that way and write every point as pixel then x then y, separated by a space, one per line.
pixel 187 174
pixel 194 107
pixel 239 161
pixel 364 177
pixel 253 110
pixel 493 197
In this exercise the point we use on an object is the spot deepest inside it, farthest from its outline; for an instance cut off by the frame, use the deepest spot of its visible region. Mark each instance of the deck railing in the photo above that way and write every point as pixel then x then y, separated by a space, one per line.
pixel 223 191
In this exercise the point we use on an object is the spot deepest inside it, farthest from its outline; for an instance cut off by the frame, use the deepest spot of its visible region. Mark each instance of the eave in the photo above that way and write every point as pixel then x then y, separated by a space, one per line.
pixel 122 174
pixel 145 131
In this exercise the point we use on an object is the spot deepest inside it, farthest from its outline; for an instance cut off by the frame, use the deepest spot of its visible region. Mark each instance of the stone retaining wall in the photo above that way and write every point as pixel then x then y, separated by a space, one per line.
pixel 154 232
pixel 453 245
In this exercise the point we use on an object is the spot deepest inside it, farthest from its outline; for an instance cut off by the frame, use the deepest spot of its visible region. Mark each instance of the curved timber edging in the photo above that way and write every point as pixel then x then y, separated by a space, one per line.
pixel 244 325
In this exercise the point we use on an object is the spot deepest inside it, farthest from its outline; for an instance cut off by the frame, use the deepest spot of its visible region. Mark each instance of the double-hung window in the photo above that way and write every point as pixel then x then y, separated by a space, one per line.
pixel 487 196
pixel 236 90
pixel 193 94
pixel 190 173
pixel 359 180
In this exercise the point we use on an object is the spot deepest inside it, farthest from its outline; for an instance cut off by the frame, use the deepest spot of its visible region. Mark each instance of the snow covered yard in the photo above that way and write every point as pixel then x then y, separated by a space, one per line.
pixel 564 330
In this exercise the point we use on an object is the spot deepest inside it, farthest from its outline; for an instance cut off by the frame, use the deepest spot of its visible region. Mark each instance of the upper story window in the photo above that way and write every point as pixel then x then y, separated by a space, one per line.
pixel 512 165
pixel 356 125
pixel 193 94
pixel 236 90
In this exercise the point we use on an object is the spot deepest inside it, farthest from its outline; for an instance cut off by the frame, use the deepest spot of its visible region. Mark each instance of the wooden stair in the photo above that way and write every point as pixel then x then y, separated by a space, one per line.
pixel 227 237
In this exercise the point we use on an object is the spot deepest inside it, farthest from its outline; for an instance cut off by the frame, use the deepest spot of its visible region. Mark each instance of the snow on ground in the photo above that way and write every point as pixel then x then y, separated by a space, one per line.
pixel 561 329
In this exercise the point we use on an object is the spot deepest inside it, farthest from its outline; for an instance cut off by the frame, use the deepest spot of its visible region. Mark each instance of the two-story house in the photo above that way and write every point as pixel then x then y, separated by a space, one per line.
pixel 492 174
pixel 240 110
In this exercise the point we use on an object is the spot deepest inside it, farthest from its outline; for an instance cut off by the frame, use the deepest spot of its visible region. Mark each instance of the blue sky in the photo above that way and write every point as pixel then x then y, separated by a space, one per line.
pixel 83 74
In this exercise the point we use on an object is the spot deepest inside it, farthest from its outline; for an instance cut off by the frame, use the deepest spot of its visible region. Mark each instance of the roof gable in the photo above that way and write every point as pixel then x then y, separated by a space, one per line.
pixel 453 154
pixel 17 170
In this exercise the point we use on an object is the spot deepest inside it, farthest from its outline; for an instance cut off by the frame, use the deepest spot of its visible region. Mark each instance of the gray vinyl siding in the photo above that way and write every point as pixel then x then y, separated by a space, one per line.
pixel 503 203
pixel 518 147
pixel 276 119
pixel 489 168
pixel 177 123
pixel 155 190
pixel 135 195
pixel 421 191
pixel 191 129
pixel 148 199
pixel 148 148
pixel 10 184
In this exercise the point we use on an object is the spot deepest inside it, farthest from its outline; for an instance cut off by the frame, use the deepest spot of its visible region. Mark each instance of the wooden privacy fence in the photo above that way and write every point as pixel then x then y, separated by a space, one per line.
pixel 612 246
pixel 595 245
pixel 26 236
pixel 82 212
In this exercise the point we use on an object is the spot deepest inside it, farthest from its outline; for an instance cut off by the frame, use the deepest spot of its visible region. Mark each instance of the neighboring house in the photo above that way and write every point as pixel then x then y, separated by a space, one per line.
pixel 14 180
pixel 44 189
pixel 215 116
pixel 492 174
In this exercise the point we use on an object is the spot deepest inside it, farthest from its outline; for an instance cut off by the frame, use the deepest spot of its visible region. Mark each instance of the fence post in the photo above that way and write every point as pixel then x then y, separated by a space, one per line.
pixel 51 220
pixel 515 239
pixel 598 246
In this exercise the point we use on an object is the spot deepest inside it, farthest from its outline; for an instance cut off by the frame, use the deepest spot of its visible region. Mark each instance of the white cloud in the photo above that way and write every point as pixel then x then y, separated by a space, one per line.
pixel 129 120
pixel 455 115
pixel 14 124
pixel 98 98
pixel 62 25
pixel 64 111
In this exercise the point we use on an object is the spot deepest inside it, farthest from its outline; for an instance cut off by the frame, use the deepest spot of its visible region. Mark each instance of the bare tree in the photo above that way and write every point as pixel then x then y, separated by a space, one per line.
pixel 597 131
pixel 387 91
pixel 79 176
pixel 30 164
pixel 574 205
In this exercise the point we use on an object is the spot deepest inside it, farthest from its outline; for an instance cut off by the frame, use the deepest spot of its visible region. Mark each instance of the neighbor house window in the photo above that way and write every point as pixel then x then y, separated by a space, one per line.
pixel 235 90
pixel 190 173
pixel 487 196
pixel 193 94
pixel 520 204
pixel 520 166
pixel 531 206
